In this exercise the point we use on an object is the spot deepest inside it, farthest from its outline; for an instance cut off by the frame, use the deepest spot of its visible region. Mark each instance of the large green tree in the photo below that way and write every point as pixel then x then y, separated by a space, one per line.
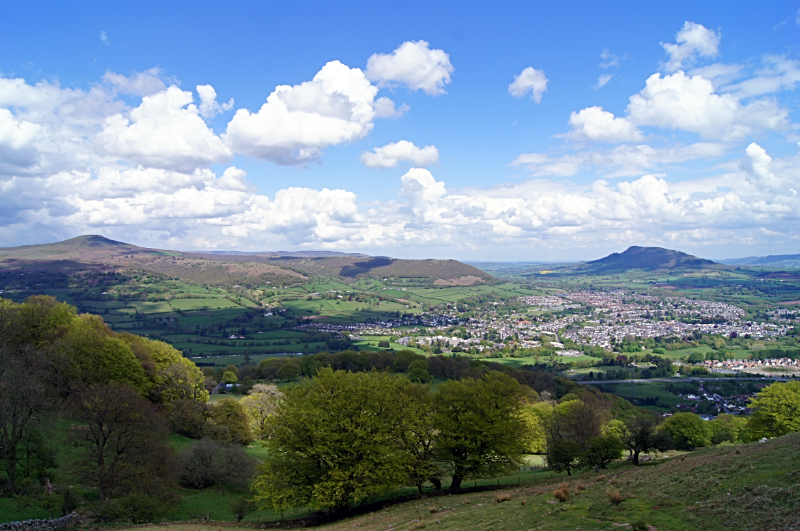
pixel 121 442
pixel 27 375
pixel 688 431
pixel 231 417
pixel 260 404
pixel 776 410
pixel 602 451
pixel 641 436
pixel 481 431
pixel 336 439
pixel 563 455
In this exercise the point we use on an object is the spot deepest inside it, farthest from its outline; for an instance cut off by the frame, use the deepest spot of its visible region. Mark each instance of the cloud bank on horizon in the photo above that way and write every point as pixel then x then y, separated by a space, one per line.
pixel 137 157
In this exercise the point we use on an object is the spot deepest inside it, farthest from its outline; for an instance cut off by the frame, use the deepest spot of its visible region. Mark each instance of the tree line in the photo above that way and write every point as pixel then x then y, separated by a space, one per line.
pixel 340 437
pixel 82 405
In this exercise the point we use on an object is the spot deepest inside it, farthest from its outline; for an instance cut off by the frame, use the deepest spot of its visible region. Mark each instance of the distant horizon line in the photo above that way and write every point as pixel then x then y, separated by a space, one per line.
pixel 359 253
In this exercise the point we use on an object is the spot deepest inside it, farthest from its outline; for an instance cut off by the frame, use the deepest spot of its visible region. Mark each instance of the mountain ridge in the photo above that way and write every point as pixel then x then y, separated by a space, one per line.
pixel 772 260
pixel 235 267
pixel 649 259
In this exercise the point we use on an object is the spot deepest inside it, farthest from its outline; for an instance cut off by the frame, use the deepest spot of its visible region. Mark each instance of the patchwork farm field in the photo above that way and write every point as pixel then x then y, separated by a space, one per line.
pixel 211 321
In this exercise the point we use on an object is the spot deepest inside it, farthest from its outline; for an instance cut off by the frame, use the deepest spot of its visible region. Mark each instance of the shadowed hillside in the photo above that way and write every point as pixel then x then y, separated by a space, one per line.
pixel 97 251
pixel 222 268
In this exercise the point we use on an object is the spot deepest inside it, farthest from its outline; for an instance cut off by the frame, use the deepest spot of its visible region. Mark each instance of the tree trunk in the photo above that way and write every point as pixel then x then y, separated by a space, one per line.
pixel 11 473
pixel 636 458
pixel 456 483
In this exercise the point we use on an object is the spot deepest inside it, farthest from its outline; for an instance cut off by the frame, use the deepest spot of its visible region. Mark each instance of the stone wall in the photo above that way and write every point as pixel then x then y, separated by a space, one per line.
pixel 58 524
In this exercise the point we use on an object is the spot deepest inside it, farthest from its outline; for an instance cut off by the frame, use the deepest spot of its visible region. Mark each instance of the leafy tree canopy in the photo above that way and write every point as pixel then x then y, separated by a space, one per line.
pixel 688 431
pixel 482 432
pixel 776 410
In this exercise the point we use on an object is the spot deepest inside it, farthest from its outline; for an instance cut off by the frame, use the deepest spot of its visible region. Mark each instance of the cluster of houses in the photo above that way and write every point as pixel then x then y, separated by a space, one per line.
pixel 612 316
pixel 754 366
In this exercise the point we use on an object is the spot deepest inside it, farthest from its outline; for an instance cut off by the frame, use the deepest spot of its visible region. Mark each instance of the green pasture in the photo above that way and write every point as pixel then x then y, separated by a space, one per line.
pixel 666 401
pixel 209 303
pixel 602 369
pixel 151 307
pixel 233 359
pixel 371 343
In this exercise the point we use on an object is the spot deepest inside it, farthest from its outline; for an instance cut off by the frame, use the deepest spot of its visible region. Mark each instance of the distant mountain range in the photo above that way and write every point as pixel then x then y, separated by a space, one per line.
pixel 298 254
pixel 773 260
pixel 282 267
pixel 233 267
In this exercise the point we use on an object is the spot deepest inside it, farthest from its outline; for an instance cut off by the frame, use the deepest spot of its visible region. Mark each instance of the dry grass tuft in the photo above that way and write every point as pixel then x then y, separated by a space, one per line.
pixel 433 509
pixel 581 487
pixel 614 481
pixel 523 501
pixel 501 497
pixel 562 492
pixel 615 497
pixel 601 477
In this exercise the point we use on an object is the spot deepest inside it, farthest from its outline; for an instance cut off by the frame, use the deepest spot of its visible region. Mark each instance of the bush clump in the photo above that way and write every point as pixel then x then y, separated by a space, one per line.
pixel 615 497
pixel 562 492
pixel 210 463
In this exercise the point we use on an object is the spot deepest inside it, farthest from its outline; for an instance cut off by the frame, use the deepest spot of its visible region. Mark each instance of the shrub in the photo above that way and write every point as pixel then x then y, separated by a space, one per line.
pixel 603 450
pixel 210 463
pixel 189 417
pixel 615 497
pixel 141 508
pixel 562 493
pixel 723 436
pixel 241 508
pixel 501 497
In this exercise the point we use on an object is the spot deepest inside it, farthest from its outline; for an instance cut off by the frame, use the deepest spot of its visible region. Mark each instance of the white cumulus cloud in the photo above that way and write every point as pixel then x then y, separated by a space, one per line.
pixel 679 101
pixel 209 106
pixel 530 80
pixel 757 166
pixel 390 155
pixel 412 64
pixel 297 123
pixel 693 41
pixel 593 123
pixel 165 131
pixel 386 108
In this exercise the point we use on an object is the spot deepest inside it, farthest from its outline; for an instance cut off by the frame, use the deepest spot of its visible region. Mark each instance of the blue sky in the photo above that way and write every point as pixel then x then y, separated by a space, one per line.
pixel 517 131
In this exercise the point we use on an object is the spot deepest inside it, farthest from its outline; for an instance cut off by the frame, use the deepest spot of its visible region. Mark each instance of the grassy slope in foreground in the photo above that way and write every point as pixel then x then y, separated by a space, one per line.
pixel 751 487
pixel 742 487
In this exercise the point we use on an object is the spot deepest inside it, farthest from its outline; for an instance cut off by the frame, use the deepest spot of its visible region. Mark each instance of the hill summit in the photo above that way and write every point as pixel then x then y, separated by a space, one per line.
pixel 650 259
